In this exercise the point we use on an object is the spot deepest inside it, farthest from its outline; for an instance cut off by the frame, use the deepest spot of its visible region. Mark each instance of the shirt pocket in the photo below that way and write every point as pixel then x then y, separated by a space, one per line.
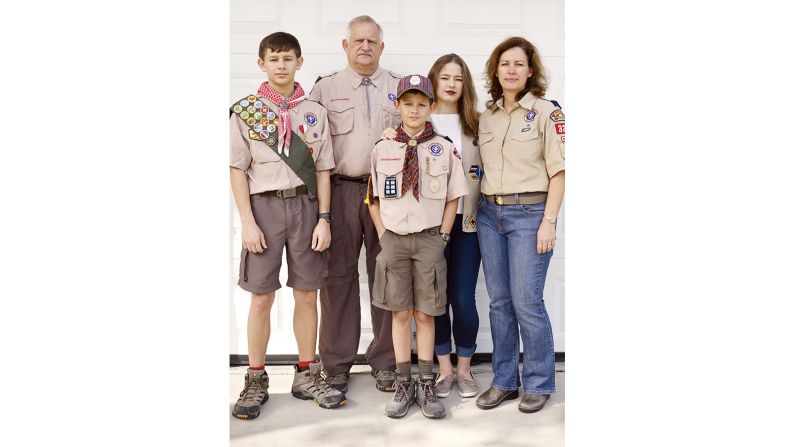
pixel 340 117
pixel 524 135
pixel 262 153
pixel 390 179
pixel 433 180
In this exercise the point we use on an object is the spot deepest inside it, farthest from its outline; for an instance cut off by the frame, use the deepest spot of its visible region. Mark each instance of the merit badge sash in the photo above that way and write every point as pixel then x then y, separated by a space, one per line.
pixel 262 121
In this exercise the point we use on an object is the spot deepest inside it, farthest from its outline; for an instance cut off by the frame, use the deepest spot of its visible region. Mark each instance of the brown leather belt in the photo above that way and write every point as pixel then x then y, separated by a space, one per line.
pixel 286 193
pixel 523 198
pixel 353 179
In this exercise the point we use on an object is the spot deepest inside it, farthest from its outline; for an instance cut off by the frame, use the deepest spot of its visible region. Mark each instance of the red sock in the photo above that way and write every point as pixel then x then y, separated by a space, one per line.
pixel 257 368
pixel 305 364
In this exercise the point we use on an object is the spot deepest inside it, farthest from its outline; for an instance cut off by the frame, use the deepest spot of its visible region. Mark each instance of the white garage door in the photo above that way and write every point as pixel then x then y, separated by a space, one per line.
pixel 416 32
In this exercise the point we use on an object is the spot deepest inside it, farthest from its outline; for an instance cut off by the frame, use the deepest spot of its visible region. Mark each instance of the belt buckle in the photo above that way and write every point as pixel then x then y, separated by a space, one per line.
pixel 498 200
pixel 286 193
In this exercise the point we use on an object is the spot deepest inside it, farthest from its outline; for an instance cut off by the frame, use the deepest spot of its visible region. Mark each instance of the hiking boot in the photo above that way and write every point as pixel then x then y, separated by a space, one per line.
pixel 443 386
pixel 467 386
pixel 384 379
pixel 426 397
pixel 310 384
pixel 405 395
pixel 339 381
pixel 254 394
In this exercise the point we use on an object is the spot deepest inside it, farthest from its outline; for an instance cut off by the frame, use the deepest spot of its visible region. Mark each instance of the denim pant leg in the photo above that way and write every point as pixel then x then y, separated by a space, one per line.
pixel 528 271
pixel 463 265
pixel 504 326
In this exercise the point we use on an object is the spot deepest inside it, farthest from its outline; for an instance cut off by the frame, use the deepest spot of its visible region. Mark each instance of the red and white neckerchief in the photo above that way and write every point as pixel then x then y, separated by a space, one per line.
pixel 284 126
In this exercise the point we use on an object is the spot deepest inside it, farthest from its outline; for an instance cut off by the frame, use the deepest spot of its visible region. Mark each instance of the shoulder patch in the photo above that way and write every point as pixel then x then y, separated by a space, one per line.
pixel 557 116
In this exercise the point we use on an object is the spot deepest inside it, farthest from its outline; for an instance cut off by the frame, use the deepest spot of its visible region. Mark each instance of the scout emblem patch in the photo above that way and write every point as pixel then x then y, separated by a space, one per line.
pixel 391 96
pixel 557 116
pixel 436 149
pixel 390 187
pixel 469 222
pixel 310 118
pixel 434 185
pixel 530 116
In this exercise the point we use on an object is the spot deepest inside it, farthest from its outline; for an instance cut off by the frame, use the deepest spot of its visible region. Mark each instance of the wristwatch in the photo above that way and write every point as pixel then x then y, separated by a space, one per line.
pixel 325 216
pixel 445 236
pixel 551 219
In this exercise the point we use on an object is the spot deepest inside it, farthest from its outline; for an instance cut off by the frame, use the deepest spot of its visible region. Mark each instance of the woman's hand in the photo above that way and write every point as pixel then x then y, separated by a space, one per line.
pixel 545 239
pixel 389 133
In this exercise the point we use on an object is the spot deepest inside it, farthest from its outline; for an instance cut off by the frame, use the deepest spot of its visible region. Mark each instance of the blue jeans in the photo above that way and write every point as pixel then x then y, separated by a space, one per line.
pixel 463 264
pixel 515 276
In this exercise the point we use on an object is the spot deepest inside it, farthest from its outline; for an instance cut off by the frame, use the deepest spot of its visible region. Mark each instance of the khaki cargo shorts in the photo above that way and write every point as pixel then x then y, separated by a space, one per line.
pixel 411 273
pixel 285 222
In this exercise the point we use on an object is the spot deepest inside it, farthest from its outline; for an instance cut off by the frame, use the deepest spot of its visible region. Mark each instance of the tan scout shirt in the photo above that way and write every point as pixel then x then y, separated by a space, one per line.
pixel 265 169
pixel 521 149
pixel 441 180
pixel 354 137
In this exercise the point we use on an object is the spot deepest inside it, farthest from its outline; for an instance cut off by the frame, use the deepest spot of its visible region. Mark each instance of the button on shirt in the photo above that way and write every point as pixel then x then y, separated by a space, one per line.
pixel 522 148
pixel 353 130
pixel 266 171
pixel 442 179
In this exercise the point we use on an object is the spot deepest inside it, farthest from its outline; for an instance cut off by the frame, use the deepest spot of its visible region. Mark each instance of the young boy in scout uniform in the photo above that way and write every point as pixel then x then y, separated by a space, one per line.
pixel 415 182
pixel 280 158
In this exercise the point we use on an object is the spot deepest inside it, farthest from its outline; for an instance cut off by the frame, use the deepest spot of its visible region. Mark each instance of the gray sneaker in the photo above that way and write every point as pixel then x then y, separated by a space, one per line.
pixel 339 381
pixel 254 394
pixel 467 386
pixel 310 384
pixel 405 395
pixel 426 397
pixel 443 386
pixel 384 379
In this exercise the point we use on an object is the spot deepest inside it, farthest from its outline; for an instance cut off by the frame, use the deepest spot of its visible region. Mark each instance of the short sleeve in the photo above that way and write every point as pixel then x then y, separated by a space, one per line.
pixel 555 142
pixel 456 182
pixel 239 151
pixel 373 172
pixel 325 155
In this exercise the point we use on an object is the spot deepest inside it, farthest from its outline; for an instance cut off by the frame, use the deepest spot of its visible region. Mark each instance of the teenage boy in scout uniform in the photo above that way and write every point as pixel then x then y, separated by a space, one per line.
pixel 360 102
pixel 280 158
pixel 416 180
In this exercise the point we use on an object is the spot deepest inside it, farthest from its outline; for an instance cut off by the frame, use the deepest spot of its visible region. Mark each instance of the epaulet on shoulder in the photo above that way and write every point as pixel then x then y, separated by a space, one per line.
pixel 445 137
pixel 376 143
pixel 324 77
pixel 553 102
pixel 316 102
pixel 394 75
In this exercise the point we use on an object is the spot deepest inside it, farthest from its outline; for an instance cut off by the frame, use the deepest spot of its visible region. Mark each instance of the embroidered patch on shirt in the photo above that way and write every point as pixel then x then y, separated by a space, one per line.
pixel 557 116
pixel 436 149
pixel 310 118
pixel 390 187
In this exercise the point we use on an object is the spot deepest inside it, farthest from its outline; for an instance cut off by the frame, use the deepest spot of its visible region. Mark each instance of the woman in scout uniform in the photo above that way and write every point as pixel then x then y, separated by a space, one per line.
pixel 522 138
pixel 454 115
pixel 280 158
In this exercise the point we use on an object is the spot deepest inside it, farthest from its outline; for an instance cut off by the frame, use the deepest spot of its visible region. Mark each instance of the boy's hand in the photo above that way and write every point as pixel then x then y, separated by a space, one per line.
pixel 389 133
pixel 253 239
pixel 321 237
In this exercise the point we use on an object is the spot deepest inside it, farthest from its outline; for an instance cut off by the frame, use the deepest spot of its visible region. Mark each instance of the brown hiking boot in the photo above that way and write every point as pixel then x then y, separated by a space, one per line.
pixel 311 384
pixel 254 394
pixel 339 381
pixel 384 379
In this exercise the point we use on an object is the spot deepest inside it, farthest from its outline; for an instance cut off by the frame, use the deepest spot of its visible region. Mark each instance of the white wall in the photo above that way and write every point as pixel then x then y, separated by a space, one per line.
pixel 415 34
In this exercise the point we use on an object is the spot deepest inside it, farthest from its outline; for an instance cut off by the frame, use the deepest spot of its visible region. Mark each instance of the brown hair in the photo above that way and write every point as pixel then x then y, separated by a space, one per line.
pixel 278 42
pixel 536 83
pixel 468 101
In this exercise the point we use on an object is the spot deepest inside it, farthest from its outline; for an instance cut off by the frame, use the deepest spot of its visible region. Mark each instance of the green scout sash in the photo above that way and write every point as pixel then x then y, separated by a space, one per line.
pixel 261 121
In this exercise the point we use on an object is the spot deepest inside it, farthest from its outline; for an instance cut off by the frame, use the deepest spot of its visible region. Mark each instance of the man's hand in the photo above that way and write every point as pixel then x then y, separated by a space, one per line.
pixel 253 239
pixel 321 237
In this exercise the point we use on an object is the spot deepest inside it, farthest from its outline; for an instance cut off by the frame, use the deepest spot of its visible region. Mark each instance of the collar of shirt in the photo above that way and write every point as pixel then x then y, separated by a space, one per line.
pixel 526 102
pixel 376 79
